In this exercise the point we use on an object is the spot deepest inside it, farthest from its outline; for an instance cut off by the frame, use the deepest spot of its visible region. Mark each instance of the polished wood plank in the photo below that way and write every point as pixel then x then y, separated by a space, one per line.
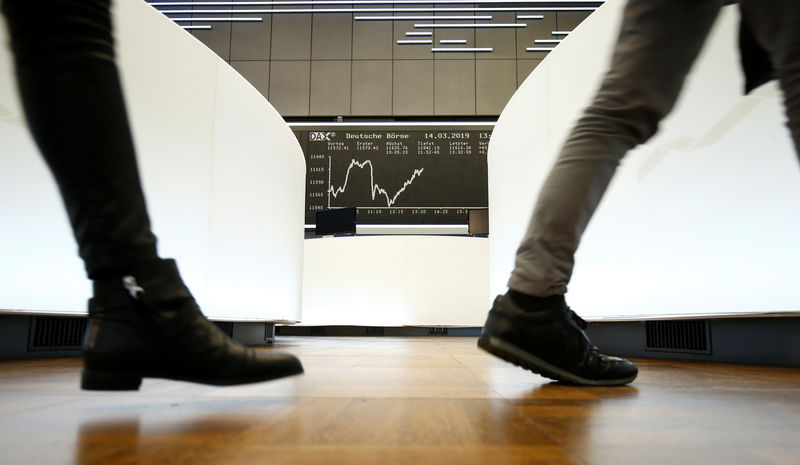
pixel 405 401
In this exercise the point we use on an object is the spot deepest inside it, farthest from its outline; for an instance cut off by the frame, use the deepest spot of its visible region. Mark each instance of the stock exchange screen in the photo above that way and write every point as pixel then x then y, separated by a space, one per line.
pixel 396 175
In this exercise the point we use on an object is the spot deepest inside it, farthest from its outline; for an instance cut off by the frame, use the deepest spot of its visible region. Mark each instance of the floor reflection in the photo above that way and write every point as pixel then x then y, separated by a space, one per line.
pixel 442 403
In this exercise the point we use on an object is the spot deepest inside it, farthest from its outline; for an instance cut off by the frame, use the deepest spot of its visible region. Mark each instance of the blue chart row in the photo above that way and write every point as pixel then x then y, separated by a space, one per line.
pixel 396 175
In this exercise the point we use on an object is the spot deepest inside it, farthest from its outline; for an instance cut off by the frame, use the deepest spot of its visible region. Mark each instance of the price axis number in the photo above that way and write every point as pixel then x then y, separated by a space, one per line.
pixel 317 182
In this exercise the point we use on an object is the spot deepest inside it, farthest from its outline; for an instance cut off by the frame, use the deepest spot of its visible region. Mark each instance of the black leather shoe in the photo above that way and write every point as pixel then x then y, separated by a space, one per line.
pixel 550 341
pixel 148 325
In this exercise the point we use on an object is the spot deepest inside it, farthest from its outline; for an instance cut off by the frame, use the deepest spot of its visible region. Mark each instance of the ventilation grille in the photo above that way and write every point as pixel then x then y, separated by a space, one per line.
pixel 374 331
pixel 437 331
pixel 56 333
pixel 317 331
pixel 690 336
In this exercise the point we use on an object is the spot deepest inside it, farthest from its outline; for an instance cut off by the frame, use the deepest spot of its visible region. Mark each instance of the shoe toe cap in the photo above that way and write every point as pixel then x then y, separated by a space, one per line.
pixel 619 368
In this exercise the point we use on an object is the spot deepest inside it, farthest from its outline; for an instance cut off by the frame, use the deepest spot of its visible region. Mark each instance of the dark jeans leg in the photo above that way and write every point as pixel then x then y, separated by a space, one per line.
pixel 73 102
pixel 657 46
pixel 775 25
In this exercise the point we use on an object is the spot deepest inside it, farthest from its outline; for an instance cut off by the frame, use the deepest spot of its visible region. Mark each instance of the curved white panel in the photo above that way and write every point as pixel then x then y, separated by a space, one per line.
pixel 702 219
pixel 224 178
pixel 395 281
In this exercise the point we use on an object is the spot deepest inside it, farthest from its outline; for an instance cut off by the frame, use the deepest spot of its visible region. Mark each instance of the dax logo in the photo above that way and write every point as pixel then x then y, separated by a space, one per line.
pixel 321 136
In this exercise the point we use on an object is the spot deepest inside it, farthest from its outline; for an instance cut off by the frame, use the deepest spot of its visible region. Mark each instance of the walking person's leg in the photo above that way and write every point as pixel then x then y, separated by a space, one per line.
pixel 774 24
pixel 143 319
pixel 531 325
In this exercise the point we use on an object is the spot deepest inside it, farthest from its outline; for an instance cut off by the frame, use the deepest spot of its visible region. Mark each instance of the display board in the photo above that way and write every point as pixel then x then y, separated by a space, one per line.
pixel 396 174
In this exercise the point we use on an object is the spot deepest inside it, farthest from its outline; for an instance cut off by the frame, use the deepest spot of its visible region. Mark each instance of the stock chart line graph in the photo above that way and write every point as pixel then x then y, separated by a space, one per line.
pixel 396 175
pixel 376 189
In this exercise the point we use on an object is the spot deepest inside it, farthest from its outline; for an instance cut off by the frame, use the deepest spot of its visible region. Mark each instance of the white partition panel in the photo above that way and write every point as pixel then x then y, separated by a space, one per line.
pixel 396 280
pixel 703 219
pixel 257 205
pixel 223 175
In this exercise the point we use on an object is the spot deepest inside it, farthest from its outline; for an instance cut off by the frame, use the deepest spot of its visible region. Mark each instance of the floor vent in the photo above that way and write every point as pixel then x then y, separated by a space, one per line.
pixel 689 336
pixel 317 331
pixel 56 333
pixel 374 331
pixel 437 331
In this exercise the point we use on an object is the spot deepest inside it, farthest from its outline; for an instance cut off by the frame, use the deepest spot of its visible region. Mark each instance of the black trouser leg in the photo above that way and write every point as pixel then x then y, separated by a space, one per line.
pixel 73 102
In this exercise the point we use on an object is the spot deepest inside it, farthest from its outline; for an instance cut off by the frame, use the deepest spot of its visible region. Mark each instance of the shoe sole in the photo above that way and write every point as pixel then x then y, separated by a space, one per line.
pixel 113 381
pixel 513 354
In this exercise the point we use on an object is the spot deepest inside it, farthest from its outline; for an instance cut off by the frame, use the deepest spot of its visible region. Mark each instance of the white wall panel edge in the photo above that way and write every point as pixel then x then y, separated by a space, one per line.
pixel 171 82
pixel 700 220
pixel 257 204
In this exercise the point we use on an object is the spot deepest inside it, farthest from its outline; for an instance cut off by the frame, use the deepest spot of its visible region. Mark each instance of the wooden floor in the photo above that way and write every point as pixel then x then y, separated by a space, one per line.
pixel 405 401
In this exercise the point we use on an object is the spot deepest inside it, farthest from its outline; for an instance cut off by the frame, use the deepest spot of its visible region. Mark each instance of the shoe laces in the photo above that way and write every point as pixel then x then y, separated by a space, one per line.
pixel 577 319
pixel 593 353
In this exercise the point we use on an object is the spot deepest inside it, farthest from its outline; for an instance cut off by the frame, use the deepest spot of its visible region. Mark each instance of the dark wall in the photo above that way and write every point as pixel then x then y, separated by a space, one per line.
pixel 330 64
